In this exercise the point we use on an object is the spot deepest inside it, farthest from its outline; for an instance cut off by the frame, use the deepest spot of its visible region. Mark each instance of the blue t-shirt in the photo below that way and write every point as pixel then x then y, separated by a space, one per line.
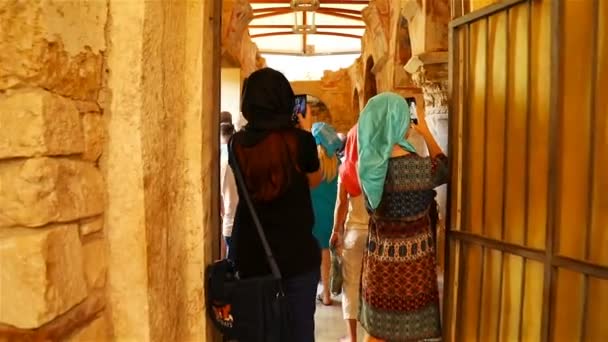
pixel 323 204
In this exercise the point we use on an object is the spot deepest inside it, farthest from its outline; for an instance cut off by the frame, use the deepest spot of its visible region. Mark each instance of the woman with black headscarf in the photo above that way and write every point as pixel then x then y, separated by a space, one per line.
pixel 279 163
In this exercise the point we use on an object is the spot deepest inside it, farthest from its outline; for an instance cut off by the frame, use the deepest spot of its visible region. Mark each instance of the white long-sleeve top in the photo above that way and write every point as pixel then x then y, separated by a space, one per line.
pixel 228 191
pixel 417 140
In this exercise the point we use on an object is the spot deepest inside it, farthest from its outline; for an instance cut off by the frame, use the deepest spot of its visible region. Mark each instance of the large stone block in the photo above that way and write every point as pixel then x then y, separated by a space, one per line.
pixel 95 263
pixel 53 44
pixel 72 322
pixel 36 122
pixel 38 191
pixel 42 274
pixel 94 135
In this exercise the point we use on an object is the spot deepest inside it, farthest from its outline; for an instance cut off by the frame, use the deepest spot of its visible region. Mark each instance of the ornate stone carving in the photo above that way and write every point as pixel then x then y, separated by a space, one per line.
pixel 433 79
pixel 430 73
pixel 237 45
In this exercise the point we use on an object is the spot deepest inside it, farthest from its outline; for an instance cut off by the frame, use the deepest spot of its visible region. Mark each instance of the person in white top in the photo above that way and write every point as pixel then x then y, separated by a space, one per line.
pixel 351 214
pixel 228 189
pixel 349 235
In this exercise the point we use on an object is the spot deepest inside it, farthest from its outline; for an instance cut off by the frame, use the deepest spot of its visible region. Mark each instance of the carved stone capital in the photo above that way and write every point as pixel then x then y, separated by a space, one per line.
pixel 433 79
pixel 410 8
pixel 430 73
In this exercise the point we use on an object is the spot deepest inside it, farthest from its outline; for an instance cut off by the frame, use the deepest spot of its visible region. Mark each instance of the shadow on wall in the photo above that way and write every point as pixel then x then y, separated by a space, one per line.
pixel 356 103
pixel 370 89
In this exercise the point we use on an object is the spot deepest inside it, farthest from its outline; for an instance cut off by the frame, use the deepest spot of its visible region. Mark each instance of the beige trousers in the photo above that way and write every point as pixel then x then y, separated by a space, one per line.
pixel 355 242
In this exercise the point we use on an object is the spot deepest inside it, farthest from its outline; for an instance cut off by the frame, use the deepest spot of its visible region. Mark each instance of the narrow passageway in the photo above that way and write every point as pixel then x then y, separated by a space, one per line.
pixel 110 156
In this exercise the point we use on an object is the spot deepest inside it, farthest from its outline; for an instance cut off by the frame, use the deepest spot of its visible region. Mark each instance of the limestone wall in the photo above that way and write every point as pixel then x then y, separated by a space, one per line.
pixel 106 166
pixel 53 249
pixel 157 164
pixel 237 47
pixel 334 89
pixel 386 47
pixel 404 50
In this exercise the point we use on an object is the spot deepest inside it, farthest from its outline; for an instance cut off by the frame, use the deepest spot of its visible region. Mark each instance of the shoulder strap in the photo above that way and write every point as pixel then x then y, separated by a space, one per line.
pixel 238 175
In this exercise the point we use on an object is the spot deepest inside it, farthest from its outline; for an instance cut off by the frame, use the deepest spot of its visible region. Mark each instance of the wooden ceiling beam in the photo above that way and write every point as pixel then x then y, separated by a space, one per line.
pixel 278 11
pixel 338 10
pixel 320 10
pixel 342 27
pixel 270 9
pixel 323 33
pixel 333 11
pixel 339 14
pixel 291 53
pixel 323 2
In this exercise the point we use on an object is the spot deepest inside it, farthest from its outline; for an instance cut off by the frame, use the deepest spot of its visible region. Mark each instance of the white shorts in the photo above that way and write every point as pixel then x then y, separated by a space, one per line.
pixel 355 242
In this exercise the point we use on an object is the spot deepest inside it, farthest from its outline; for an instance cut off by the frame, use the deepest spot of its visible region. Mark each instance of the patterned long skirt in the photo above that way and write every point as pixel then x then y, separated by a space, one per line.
pixel 399 294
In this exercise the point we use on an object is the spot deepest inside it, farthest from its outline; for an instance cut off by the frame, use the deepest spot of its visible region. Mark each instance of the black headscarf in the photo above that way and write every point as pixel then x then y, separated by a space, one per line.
pixel 267 104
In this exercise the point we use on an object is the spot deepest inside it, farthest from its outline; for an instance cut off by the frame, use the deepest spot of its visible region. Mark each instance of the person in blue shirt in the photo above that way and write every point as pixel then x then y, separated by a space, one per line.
pixel 324 197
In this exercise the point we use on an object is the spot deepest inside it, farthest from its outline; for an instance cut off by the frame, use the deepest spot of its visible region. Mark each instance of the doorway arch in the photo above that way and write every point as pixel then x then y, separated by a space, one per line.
pixel 356 103
pixel 369 88
pixel 319 109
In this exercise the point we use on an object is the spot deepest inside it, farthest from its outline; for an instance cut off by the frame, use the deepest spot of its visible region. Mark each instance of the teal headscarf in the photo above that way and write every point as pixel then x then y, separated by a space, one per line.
pixel 382 125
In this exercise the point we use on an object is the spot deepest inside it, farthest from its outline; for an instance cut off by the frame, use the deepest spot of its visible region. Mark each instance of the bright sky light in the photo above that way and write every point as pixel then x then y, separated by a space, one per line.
pixel 310 68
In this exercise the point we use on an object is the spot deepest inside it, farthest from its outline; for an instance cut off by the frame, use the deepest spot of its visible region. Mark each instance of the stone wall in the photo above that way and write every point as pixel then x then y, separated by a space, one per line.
pixel 334 89
pixel 404 50
pixel 157 162
pixel 428 21
pixel 385 49
pixel 53 246
pixel 108 133
pixel 238 50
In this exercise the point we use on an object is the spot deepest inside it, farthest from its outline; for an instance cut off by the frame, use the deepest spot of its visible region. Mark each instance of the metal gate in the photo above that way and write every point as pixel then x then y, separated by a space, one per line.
pixel 527 238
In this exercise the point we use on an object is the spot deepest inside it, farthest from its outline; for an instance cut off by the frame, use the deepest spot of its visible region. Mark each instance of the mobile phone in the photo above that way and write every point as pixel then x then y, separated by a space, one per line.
pixel 298 108
pixel 300 105
pixel 411 102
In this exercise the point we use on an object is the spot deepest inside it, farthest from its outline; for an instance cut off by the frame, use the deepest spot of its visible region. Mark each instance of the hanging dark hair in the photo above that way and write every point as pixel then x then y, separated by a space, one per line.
pixel 267 148
pixel 225 117
pixel 226 129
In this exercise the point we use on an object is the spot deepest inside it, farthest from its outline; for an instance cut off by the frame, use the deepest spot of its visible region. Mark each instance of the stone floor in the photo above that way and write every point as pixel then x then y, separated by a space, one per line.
pixel 330 326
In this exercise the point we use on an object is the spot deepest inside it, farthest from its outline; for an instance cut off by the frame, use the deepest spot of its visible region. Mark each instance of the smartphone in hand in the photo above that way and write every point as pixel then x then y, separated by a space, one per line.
pixel 298 108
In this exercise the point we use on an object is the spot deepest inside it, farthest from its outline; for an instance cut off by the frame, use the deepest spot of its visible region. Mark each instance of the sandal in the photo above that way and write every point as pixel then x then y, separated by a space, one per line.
pixel 320 300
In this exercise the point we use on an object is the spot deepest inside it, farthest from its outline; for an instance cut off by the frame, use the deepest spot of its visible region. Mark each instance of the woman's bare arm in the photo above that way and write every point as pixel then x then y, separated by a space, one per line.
pixel 339 215
pixel 315 178
pixel 423 129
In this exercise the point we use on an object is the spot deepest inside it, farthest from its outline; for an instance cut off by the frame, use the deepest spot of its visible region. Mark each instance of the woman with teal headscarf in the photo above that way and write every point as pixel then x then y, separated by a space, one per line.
pixel 399 294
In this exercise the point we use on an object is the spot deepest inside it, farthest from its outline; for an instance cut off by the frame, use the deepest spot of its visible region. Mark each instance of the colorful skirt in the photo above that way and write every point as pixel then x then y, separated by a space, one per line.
pixel 399 294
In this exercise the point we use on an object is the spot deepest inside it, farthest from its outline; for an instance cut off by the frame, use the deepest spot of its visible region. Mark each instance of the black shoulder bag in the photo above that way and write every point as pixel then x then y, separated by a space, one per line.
pixel 251 309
